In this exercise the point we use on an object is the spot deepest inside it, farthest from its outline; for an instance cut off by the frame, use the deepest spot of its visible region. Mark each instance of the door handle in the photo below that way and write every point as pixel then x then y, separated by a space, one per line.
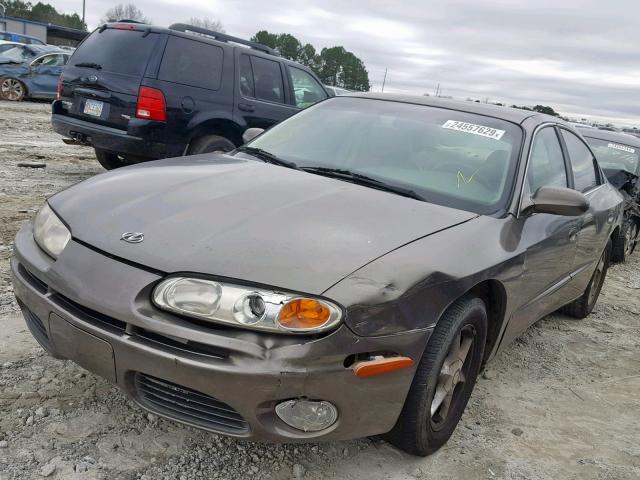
pixel 245 107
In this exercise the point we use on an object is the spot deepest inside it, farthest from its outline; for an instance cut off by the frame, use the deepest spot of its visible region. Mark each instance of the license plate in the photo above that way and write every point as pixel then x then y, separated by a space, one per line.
pixel 93 108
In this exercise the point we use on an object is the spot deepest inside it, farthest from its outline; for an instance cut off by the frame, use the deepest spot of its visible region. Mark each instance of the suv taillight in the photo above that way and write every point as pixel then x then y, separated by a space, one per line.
pixel 59 87
pixel 151 104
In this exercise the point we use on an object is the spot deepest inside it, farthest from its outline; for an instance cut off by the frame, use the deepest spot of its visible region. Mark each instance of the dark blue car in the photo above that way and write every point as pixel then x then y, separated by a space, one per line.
pixel 30 71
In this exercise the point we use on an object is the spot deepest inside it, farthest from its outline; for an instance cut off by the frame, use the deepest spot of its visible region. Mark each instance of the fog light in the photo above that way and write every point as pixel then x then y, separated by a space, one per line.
pixel 307 415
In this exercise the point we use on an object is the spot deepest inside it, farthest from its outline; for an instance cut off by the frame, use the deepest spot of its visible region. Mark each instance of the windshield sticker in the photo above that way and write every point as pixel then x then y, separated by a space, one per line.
pixel 624 148
pixel 465 181
pixel 474 129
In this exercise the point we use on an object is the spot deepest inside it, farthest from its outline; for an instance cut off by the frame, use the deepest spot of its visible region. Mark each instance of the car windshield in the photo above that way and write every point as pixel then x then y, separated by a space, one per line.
pixel 615 155
pixel 447 157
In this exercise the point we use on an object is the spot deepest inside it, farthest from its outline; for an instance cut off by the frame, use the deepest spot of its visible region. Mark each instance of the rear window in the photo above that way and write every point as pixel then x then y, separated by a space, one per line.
pixel 117 51
pixel 190 62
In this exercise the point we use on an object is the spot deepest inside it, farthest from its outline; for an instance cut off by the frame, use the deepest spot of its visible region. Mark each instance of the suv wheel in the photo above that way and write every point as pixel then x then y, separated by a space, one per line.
pixel 444 379
pixel 12 89
pixel 583 306
pixel 210 144
pixel 109 160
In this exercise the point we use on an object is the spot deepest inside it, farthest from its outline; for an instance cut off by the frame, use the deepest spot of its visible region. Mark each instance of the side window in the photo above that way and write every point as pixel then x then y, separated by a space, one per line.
pixel 546 165
pixel 247 88
pixel 267 80
pixel 56 60
pixel 192 63
pixel 306 89
pixel 583 164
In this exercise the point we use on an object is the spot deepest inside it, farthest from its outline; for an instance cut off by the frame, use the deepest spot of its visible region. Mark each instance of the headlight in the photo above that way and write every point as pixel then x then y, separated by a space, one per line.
pixel 49 232
pixel 241 306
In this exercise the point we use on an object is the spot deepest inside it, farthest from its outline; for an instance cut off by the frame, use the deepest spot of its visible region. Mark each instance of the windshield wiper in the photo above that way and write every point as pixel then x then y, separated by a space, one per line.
pixel 266 157
pixel 97 66
pixel 361 179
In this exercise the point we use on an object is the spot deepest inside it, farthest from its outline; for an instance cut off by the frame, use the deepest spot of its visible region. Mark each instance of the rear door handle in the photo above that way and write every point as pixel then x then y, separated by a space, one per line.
pixel 245 107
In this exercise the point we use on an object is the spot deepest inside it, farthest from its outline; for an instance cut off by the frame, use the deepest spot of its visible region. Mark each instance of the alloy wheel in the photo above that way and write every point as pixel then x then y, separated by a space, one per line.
pixel 452 377
pixel 12 89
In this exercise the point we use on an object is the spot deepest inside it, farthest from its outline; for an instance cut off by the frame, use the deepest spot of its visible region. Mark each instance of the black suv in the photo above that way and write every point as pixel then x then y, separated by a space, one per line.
pixel 137 92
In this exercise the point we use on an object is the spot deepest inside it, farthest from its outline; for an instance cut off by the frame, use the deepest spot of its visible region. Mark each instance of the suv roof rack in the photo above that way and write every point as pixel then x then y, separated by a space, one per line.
pixel 222 37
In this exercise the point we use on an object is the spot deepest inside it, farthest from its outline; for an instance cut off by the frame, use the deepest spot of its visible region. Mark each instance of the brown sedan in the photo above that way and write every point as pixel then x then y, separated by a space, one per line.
pixel 347 273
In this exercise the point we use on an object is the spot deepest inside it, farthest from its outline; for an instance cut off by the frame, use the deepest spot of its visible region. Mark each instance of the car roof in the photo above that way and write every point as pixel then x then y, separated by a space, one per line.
pixel 513 115
pixel 609 136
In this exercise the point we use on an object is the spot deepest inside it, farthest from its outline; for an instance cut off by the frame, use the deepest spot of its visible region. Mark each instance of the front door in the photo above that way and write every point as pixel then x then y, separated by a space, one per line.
pixel 262 94
pixel 550 240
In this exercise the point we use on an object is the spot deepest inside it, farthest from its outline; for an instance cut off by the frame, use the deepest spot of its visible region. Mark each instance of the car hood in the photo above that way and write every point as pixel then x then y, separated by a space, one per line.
pixel 246 220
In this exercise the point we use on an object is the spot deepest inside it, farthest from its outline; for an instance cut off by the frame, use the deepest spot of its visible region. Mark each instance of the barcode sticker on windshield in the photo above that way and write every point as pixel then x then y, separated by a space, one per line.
pixel 624 148
pixel 474 129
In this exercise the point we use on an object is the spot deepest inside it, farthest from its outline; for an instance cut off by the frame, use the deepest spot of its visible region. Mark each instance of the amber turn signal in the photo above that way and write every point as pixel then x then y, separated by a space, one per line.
pixel 303 314
pixel 382 365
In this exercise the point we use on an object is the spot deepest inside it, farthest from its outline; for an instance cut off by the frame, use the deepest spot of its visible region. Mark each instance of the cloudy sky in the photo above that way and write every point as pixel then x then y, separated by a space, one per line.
pixel 582 57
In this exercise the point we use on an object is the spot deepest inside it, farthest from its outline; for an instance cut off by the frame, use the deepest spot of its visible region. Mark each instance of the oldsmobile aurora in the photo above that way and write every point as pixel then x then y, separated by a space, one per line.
pixel 346 273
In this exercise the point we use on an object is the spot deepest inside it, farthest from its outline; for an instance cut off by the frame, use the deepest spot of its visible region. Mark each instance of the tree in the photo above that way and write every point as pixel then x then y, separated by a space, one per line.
pixel 124 12
pixel 335 66
pixel 42 12
pixel 208 23
pixel 341 68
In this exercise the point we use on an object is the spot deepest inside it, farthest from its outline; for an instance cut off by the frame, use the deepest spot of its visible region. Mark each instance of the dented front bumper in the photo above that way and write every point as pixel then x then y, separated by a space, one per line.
pixel 95 310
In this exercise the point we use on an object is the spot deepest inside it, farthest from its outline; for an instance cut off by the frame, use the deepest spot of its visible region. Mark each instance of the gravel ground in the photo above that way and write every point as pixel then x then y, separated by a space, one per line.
pixel 563 401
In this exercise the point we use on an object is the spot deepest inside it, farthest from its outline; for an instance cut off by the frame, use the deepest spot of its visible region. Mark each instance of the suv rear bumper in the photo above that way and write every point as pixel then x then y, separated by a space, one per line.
pixel 131 142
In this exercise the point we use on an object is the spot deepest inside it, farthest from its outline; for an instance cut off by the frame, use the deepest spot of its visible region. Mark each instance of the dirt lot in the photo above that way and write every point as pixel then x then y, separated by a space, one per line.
pixel 562 402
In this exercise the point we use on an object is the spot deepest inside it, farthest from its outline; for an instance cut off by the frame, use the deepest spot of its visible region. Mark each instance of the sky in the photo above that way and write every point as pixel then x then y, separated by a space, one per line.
pixel 579 56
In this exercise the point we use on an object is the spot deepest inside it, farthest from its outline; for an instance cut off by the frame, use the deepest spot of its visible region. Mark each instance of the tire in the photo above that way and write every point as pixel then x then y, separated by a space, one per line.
pixel 418 431
pixel 583 306
pixel 12 89
pixel 109 160
pixel 210 144
pixel 625 242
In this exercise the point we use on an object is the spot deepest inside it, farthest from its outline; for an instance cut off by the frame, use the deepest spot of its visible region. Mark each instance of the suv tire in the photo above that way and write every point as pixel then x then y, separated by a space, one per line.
pixel 109 160
pixel 448 369
pixel 583 306
pixel 210 144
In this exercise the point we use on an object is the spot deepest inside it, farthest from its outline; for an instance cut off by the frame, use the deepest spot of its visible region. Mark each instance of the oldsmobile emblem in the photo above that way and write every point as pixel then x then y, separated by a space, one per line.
pixel 132 237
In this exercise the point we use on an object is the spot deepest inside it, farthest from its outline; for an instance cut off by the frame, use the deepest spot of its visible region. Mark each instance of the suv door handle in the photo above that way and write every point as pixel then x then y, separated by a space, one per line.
pixel 245 107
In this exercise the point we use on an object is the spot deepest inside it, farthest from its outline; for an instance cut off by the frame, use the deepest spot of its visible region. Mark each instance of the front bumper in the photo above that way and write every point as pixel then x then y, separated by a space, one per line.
pixel 95 310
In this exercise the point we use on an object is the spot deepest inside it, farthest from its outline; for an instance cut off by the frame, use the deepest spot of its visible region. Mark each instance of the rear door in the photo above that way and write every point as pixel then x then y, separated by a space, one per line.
pixel 44 73
pixel 598 222
pixel 262 93
pixel 104 74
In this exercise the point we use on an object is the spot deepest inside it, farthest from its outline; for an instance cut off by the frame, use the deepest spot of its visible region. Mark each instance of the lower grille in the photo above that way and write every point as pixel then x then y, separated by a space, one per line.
pixel 187 405
pixel 36 327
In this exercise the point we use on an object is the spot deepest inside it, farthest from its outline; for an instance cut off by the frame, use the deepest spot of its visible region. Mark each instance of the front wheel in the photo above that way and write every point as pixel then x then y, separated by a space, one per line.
pixel 583 306
pixel 12 89
pixel 444 379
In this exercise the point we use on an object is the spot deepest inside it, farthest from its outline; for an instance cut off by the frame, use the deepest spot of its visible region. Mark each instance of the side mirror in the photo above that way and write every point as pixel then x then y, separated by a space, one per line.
pixel 251 133
pixel 557 201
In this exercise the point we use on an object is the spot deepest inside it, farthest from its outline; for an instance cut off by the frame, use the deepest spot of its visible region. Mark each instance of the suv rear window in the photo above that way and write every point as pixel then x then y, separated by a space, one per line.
pixel 190 62
pixel 117 51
